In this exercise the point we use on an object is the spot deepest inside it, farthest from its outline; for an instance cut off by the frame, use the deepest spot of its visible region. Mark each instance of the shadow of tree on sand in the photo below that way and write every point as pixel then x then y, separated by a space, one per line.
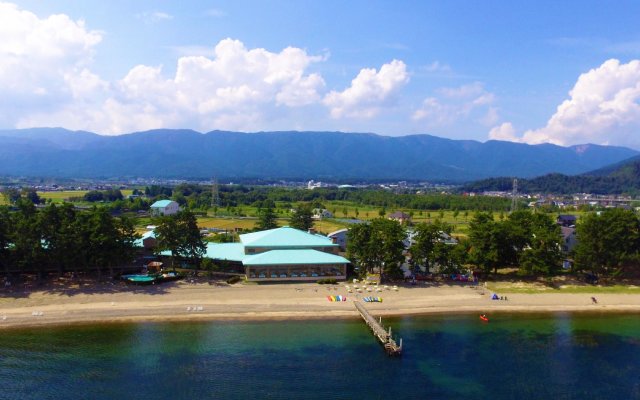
pixel 85 286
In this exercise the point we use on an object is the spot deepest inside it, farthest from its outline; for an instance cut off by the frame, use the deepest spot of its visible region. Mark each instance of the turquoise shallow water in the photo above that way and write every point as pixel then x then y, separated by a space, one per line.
pixel 555 356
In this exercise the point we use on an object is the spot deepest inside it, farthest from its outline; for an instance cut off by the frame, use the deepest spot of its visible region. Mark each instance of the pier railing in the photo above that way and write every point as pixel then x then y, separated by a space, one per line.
pixel 384 337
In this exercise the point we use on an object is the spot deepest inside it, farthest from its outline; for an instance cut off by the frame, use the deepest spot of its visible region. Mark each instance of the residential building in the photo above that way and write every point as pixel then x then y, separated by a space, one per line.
pixel 401 217
pixel 566 220
pixel 164 207
pixel 340 238
pixel 321 213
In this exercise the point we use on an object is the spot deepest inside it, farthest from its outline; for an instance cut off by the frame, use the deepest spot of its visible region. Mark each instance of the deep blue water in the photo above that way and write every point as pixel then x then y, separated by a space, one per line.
pixel 550 356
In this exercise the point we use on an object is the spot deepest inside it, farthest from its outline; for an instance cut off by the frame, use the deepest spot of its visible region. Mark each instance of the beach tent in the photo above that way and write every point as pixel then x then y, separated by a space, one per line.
pixel 495 297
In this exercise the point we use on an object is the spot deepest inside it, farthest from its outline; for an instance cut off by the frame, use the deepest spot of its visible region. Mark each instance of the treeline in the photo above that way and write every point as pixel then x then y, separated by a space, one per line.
pixel 116 201
pixel 623 181
pixel 608 245
pixel 199 197
pixel 103 195
pixel 63 239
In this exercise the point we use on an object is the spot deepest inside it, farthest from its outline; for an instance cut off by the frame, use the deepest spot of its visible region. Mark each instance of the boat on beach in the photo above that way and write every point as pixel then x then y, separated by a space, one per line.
pixel 150 279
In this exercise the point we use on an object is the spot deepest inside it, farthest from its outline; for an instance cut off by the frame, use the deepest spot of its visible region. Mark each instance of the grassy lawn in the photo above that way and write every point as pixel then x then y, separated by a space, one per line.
pixel 226 223
pixel 229 223
pixel 62 196
pixel 538 287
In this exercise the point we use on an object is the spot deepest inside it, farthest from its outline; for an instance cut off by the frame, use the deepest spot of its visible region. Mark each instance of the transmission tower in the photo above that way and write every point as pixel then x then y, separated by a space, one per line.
pixel 514 195
pixel 215 194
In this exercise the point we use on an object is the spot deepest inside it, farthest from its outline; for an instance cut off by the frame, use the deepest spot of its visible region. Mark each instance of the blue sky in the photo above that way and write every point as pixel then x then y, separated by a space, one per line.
pixel 564 72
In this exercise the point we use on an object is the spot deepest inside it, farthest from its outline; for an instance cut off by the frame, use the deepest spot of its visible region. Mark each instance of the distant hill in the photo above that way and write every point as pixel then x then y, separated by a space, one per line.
pixel 164 153
pixel 622 177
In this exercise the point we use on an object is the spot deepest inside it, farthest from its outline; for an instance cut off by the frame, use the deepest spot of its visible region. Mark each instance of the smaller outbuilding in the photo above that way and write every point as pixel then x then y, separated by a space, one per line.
pixel 164 207
pixel 147 241
pixel 339 237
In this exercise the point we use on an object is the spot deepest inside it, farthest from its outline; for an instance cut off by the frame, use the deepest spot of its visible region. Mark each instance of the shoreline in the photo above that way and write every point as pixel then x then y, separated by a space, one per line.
pixel 183 302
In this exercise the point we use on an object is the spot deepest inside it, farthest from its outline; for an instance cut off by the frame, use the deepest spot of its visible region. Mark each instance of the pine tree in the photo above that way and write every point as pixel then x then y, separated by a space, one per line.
pixel 302 218
pixel 266 219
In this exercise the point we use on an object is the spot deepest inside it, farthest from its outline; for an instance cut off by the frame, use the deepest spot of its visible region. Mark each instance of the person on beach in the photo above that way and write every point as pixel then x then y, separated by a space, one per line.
pixel 593 300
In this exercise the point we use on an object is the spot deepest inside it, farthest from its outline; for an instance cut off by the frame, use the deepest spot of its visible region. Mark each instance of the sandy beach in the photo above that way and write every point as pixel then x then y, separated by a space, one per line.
pixel 182 301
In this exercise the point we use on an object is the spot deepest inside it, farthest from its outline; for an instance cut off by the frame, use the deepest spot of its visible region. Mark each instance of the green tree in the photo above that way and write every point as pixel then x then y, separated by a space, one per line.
pixel 302 218
pixel 168 236
pixel 104 240
pixel 377 246
pixel 490 243
pixel 426 236
pixel 542 253
pixel 6 229
pixel 180 235
pixel 27 239
pixel 32 196
pixel 191 245
pixel 266 219
pixel 11 195
pixel 607 243
pixel 429 249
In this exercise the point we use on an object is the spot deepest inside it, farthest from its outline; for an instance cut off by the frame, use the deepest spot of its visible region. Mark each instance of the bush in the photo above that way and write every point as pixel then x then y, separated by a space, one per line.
pixel 234 279
pixel 328 281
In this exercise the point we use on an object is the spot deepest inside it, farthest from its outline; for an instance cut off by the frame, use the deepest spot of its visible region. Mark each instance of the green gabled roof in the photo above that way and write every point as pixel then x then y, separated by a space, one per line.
pixel 161 203
pixel 284 237
pixel 225 251
pixel 294 257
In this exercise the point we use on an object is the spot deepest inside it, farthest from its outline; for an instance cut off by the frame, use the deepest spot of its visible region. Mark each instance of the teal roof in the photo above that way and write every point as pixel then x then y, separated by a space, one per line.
pixel 161 203
pixel 225 251
pixel 285 237
pixel 294 257
pixel 220 251
pixel 146 235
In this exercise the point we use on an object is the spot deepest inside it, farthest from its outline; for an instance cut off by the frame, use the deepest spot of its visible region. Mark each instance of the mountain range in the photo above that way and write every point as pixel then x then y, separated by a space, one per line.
pixel 336 156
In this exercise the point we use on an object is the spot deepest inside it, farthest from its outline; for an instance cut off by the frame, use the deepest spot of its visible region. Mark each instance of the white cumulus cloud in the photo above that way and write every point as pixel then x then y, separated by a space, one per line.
pixel 450 106
pixel 369 92
pixel 42 60
pixel 46 79
pixel 504 131
pixel 603 108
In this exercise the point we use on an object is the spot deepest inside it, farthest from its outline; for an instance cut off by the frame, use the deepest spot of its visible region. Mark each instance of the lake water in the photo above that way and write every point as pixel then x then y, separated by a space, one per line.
pixel 554 356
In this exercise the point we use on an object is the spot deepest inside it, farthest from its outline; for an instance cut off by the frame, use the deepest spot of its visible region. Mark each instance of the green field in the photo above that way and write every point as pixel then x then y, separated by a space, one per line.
pixel 232 224
pixel 66 195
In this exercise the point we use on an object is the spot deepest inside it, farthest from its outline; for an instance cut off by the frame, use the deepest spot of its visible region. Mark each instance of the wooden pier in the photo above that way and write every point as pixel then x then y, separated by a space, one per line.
pixel 384 337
